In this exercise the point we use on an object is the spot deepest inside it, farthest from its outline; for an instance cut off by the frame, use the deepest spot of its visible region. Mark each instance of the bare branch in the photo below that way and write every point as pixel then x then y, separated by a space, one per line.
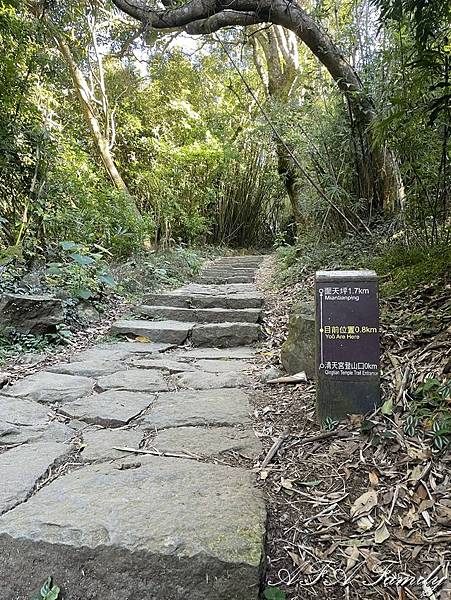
pixel 223 19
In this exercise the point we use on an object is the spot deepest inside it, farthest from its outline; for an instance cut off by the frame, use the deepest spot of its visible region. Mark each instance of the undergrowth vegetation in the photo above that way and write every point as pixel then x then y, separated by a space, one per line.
pixel 400 265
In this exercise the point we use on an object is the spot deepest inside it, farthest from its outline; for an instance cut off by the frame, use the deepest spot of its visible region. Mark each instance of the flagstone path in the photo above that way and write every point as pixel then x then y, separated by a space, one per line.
pixel 107 523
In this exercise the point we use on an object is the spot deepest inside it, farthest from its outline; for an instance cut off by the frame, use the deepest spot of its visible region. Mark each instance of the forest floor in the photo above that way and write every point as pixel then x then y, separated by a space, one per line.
pixel 363 510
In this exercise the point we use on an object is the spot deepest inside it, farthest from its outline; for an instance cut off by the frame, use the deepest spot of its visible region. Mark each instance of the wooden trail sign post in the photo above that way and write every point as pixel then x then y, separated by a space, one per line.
pixel 347 343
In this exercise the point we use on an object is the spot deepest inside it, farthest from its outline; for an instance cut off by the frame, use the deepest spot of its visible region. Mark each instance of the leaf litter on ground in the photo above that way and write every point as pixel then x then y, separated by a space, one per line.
pixel 377 522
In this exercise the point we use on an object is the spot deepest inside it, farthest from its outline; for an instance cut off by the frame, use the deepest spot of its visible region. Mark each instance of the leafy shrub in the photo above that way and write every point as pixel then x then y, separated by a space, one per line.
pixel 81 273
pixel 408 266
pixel 150 271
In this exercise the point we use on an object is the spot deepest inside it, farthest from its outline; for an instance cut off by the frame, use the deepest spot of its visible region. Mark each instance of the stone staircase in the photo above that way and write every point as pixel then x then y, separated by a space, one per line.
pixel 171 521
pixel 221 310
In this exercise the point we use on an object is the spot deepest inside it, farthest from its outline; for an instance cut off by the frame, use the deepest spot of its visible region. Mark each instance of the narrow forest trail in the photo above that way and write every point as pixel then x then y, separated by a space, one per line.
pixel 181 518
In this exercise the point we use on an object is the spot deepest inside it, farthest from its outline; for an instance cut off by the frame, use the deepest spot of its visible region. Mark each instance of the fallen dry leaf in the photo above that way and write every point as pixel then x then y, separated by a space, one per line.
pixel 409 518
pixel 354 554
pixel 374 479
pixel 364 504
pixel 381 534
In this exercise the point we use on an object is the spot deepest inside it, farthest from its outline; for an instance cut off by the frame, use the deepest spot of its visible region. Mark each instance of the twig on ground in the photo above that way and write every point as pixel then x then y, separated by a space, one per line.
pixel 274 448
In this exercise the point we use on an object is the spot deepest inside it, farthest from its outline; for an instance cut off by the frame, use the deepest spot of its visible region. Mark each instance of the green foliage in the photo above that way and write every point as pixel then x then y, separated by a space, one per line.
pixel 329 424
pixel 432 397
pixel 247 206
pixel 430 413
pixel 81 273
pixel 411 426
pixel 48 591
pixel 402 266
pixel 274 593
pixel 427 18
pixel 151 271
pixel 310 254
pixel 441 433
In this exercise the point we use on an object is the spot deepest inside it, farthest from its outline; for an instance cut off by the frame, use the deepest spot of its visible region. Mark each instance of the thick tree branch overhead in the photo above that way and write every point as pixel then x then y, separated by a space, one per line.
pixel 205 16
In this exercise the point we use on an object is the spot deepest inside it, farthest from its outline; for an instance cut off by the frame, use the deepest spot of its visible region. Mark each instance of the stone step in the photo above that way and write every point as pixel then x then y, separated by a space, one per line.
pixel 225 335
pixel 223 273
pixel 224 354
pixel 199 301
pixel 208 279
pixel 170 332
pixel 245 259
pixel 162 528
pixel 218 335
pixel 229 270
pixel 200 315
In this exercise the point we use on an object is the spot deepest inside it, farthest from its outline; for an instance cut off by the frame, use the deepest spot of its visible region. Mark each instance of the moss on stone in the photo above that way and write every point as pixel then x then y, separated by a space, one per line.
pixel 248 545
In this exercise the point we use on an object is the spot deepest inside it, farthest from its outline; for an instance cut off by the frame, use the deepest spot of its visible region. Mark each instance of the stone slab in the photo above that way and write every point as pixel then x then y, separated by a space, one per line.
pixel 17 411
pixel 230 270
pixel 119 351
pixel 99 354
pixel 225 335
pixel 137 347
pixel 162 363
pixel 21 420
pixel 238 352
pixel 208 441
pixel 199 315
pixel 226 279
pixel 46 387
pixel 208 381
pixel 234 302
pixel 162 313
pixel 20 469
pixel 110 409
pixel 201 407
pixel 231 289
pixel 134 380
pixel 95 368
pixel 11 434
pixel 99 444
pixel 218 315
pixel 168 530
pixel 222 366
pixel 170 332
pixel 207 299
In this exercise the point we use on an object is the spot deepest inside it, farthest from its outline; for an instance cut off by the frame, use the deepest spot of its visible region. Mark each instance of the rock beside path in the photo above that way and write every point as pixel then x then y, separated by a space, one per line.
pixel 30 314
pixel 298 351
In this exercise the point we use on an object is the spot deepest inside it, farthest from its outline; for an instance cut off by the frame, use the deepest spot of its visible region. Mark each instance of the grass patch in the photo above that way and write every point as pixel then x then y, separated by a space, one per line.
pixel 402 268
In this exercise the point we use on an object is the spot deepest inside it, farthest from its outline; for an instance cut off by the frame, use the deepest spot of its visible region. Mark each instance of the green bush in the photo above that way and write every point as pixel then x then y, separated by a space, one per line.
pixel 81 273
pixel 407 267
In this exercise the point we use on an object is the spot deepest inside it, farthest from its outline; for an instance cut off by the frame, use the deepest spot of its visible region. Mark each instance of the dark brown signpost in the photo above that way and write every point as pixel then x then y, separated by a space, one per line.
pixel 347 343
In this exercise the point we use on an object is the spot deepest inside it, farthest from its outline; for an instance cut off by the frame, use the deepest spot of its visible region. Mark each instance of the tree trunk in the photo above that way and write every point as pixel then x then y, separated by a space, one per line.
pixel 290 178
pixel 84 95
pixel 278 73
